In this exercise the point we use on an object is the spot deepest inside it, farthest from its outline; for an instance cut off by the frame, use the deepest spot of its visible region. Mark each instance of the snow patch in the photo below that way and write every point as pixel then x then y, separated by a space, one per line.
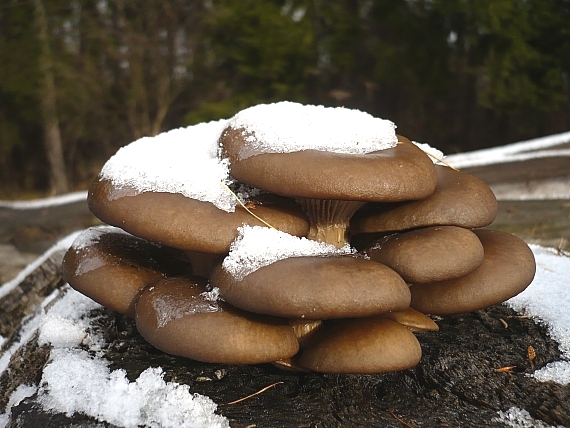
pixel 519 418
pixel 51 201
pixel 287 127
pixel 75 382
pixel 434 154
pixel 258 246
pixel 548 298
pixel 181 161
pixel 61 245
pixel 523 150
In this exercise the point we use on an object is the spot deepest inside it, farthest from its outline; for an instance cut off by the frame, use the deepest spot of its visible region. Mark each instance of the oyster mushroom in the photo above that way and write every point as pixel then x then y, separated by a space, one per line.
pixel 182 317
pixel 112 267
pixel 429 254
pixel 173 189
pixel 459 199
pixel 181 222
pixel 270 272
pixel 366 345
pixel 508 267
pixel 330 160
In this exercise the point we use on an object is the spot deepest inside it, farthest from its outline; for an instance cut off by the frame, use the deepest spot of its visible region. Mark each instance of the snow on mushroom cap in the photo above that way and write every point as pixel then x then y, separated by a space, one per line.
pixel 435 155
pixel 258 246
pixel 182 161
pixel 287 127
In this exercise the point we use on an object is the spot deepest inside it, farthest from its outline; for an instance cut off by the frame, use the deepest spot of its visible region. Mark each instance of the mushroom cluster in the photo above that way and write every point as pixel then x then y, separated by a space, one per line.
pixel 313 238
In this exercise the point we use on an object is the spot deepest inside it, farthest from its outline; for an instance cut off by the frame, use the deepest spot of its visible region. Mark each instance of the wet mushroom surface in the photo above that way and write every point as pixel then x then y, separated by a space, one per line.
pixel 287 272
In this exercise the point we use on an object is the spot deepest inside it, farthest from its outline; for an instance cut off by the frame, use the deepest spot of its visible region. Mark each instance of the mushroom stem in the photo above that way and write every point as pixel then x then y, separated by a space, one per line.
pixel 329 219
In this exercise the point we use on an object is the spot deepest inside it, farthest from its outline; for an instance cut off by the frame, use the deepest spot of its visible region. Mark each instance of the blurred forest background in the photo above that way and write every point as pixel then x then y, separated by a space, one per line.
pixel 81 78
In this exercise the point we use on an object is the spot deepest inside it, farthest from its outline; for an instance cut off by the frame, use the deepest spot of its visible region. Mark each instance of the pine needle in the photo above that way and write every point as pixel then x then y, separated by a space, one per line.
pixel 400 420
pixel 244 207
pixel 441 160
pixel 262 390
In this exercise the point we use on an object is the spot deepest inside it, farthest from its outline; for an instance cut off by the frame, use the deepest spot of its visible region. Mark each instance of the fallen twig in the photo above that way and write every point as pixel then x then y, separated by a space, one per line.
pixel 400 420
pixel 254 394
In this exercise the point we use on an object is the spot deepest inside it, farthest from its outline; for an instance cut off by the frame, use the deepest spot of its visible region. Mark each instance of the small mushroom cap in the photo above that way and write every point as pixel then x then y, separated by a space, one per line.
pixel 179 316
pixel 367 345
pixel 400 173
pixel 316 288
pixel 508 268
pixel 184 223
pixel 430 254
pixel 412 319
pixel 112 267
pixel 460 199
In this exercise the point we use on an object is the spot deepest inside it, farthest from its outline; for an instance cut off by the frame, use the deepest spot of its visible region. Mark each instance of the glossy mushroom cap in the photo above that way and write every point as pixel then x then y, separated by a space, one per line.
pixel 184 223
pixel 400 173
pixel 112 267
pixel 367 345
pixel 508 268
pixel 181 317
pixel 460 199
pixel 429 254
pixel 316 288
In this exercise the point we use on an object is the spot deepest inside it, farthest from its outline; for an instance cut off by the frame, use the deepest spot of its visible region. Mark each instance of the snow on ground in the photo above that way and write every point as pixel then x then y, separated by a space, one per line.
pixel 519 418
pixel 539 148
pixel 78 380
pixel 543 147
pixel 547 299
pixel 45 202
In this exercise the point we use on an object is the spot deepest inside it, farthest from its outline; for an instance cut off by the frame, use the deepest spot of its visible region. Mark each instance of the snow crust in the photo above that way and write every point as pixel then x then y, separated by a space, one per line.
pixel 75 382
pixel 547 299
pixel 183 160
pixel 519 418
pixel 79 380
pixel 258 246
pixel 287 127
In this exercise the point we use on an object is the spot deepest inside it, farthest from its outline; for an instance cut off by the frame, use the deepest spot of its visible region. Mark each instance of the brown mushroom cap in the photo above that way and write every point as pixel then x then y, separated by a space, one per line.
pixel 367 345
pixel 316 288
pixel 460 199
pixel 177 317
pixel 184 223
pixel 412 319
pixel 112 267
pixel 430 254
pixel 508 268
pixel 400 173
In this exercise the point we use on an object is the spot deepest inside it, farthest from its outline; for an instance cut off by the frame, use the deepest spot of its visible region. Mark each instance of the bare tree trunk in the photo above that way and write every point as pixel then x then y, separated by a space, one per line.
pixel 52 135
